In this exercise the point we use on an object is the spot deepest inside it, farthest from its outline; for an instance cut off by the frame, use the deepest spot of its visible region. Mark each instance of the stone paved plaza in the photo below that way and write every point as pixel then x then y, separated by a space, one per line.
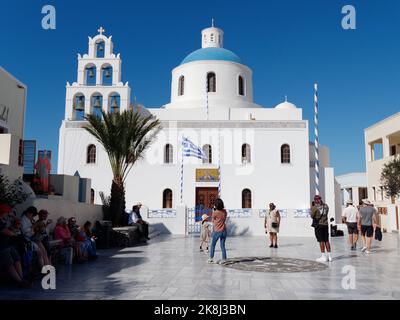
pixel 171 267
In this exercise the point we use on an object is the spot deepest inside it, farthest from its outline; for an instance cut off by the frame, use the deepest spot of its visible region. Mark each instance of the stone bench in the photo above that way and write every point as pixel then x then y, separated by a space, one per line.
pixel 126 236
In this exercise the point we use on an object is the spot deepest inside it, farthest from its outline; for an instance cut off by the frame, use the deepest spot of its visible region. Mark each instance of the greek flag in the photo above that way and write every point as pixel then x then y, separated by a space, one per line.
pixel 189 149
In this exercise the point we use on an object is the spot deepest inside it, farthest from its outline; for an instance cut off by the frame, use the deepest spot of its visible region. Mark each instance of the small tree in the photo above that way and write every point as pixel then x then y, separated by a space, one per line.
pixel 11 193
pixel 390 178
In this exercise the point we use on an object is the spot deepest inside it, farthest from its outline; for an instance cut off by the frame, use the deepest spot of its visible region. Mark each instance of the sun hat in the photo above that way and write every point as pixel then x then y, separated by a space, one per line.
pixel 349 201
pixel 367 202
pixel 204 217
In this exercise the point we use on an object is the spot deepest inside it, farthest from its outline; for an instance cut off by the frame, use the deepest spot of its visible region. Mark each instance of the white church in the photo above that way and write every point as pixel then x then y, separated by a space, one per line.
pixel 254 154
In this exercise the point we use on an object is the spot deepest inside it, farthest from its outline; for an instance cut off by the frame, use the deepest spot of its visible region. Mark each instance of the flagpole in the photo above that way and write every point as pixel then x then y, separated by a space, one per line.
pixel 219 163
pixel 207 96
pixel 316 142
pixel 182 171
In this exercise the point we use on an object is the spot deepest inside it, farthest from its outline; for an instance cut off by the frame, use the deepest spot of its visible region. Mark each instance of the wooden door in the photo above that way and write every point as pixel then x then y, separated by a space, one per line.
pixel 205 201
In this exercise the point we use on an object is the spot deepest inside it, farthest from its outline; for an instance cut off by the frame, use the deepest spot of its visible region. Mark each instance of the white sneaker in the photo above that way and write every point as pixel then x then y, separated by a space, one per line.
pixel 363 249
pixel 367 251
pixel 329 258
pixel 221 261
pixel 210 261
pixel 322 259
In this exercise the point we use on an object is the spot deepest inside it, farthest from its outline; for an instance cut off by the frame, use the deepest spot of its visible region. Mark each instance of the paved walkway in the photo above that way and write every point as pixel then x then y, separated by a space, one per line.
pixel 171 267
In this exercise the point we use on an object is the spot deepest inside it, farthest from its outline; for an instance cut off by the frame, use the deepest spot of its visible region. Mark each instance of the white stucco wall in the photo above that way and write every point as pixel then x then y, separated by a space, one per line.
pixel 386 132
pixel 12 121
pixel 59 207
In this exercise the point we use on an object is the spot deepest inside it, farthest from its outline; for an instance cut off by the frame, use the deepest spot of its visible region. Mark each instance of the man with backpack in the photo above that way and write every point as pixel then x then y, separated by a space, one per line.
pixel 319 214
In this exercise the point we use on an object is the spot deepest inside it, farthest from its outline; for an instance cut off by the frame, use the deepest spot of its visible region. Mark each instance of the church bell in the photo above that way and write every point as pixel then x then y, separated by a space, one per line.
pixel 91 73
pixel 114 103
pixel 97 102
pixel 108 73
pixel 80 106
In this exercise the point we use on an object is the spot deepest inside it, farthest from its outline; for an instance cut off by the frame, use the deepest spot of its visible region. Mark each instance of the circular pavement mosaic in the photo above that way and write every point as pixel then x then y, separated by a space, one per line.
pixel 274 264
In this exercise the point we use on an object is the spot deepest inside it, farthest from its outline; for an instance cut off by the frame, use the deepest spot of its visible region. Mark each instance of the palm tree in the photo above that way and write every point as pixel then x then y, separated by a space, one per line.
pixel 124 136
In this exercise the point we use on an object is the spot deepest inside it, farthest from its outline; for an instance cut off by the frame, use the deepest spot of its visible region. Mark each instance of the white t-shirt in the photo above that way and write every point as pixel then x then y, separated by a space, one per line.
pixel 26 226
pixel 351 214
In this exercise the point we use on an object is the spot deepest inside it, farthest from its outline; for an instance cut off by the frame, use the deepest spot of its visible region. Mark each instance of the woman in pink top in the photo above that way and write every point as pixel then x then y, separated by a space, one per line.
pixel 219 232
pixel 61 232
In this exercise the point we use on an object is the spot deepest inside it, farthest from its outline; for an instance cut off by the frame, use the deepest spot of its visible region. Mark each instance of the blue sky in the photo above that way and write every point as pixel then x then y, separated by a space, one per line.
pixel 289 45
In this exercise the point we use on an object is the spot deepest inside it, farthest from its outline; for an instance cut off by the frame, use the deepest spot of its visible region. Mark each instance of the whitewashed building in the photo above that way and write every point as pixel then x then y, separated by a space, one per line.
pixel 382 144
pixel 353 186
pixel 255 155
pixel 12 120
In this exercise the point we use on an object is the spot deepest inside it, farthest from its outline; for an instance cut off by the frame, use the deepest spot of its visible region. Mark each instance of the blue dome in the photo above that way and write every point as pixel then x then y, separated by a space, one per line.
pixel 212 54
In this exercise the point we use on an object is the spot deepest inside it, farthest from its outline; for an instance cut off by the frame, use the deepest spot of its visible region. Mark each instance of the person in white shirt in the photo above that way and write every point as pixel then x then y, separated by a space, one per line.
pixel 350 217
pixel 135 218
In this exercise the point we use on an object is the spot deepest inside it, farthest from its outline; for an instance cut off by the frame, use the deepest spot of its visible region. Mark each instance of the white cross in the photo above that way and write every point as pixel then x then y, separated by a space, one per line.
pixel 212 22
pixel 101 30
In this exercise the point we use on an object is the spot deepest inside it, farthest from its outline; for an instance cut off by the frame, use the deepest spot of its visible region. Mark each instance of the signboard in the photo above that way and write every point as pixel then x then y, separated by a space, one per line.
pixel 207 175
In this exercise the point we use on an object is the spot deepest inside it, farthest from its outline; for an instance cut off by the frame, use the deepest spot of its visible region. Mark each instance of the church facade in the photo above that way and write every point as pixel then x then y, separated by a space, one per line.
pixel 254 155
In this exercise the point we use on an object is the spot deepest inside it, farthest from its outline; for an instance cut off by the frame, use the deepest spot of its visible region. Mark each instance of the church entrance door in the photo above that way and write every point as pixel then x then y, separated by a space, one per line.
pixel 205 201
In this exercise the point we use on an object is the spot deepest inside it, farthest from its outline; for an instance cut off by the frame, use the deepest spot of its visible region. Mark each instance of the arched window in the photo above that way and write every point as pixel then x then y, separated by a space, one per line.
pixel 106 75
pixel 96 104
pixel 211 82
pixel 285 153
pixel 246 153
pixel 90 75
pixel 168 153
pixel 246 199
pixel 208 152
pixel 181 86
pixel 167 199
pixel 79 106
pixel 241 86
pixel 114 102
pixel 92 193
pixel 100 49
pixel 91 154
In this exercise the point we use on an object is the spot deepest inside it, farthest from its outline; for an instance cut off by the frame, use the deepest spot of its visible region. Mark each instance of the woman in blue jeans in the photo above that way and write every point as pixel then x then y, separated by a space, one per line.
pixel 219 231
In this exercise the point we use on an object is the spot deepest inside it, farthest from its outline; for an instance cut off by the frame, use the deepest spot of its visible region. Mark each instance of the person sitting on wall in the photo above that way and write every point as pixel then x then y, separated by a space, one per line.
pixel 90 240
pixel 136 219
pixel 40 229
pixel 61 232
pixel 79 240
pixel 10 260
pixel 27 230
pixel 99 234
